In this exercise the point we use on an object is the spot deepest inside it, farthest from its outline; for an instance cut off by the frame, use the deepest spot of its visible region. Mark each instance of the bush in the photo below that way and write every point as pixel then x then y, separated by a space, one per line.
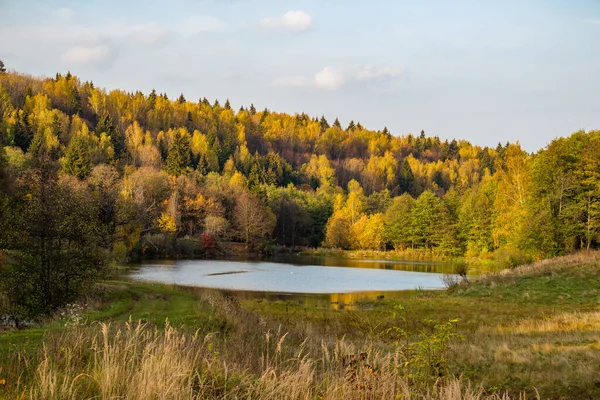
pixel 450 281
pixel 461 268
pixel 511 257
pixel 188 247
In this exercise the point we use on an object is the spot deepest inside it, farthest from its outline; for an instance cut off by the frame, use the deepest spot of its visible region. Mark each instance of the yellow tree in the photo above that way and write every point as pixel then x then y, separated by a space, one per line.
pixel 514 182
pixel 369 232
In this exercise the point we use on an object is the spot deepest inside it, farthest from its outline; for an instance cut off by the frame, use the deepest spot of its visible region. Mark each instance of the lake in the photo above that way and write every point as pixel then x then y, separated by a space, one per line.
pixel 312 281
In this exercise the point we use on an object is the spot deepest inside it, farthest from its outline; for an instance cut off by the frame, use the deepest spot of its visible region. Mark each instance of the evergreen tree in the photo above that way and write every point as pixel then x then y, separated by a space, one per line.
pixel 351 126
pixel 181 99
pixel 74 102
pixel 227 105
pixel 406 178
pixel 220 153
pixel 202 165
pixel 56 125
pixel 337 124
pixel 324 124
pixel 2 67
pixel 190 122
pixel 152 98
pixel 256 175
pixel 105 125
pixel 264 115
pixel 500 150
pixel 453 149
pixel 77 158
pixel 179 157
pixel 23 134
pixel 252 109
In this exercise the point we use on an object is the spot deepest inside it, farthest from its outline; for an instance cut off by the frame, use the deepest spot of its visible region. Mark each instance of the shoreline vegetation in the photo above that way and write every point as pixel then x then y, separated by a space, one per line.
pixel 528 331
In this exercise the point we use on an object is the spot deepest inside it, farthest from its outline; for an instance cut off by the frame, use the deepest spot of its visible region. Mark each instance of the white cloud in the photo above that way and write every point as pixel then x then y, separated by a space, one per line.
pixel 292 21
pixel 86 54
pixel 330 78
pixel 63 13
pixel 197 24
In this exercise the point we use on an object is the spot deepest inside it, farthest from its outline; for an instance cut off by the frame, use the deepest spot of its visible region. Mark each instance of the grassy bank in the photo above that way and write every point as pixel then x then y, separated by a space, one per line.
pixel 478 264
pixel 534 329
pixel 408 254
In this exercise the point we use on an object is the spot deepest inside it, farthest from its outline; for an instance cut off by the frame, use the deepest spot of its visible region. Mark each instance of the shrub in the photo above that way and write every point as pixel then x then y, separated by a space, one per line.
pixel 188 247
pixel 511 257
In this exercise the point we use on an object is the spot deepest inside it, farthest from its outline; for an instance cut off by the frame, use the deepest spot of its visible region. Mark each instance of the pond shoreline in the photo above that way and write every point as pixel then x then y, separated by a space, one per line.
pixel 335 280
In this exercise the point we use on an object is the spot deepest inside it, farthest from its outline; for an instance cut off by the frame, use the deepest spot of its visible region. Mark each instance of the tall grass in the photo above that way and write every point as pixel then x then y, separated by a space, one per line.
pixel 572 263
pixel 137 361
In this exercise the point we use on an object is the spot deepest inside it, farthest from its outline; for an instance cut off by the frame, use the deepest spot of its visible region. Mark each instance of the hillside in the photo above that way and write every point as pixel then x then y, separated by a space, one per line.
pixel 139 175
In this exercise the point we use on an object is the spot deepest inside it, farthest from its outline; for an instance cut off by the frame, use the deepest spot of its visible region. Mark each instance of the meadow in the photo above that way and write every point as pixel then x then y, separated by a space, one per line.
pixel 528 332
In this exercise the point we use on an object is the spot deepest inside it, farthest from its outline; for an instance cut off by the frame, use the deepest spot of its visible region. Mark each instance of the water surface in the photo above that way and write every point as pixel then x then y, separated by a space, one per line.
pixel 298 277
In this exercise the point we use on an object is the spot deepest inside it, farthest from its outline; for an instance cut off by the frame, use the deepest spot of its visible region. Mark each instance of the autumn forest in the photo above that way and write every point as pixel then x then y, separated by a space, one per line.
pixel 89 176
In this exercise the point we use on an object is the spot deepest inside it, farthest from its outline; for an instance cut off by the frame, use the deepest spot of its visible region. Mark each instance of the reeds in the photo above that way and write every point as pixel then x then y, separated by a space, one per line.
pixel 138 361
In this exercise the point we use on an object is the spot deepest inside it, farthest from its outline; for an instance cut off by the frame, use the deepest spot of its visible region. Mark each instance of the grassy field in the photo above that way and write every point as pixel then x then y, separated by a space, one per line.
pixel 532 331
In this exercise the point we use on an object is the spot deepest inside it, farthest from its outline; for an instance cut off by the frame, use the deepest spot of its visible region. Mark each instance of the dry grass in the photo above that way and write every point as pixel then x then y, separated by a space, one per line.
pixel 136 361
pixel 535 327
pixel 571 262
pixel 563 322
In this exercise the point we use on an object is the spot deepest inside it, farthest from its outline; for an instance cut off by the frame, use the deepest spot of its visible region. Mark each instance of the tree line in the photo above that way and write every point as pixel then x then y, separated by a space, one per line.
pixel 88 175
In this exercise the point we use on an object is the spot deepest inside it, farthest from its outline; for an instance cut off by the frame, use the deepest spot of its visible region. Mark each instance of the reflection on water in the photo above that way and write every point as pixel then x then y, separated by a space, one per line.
pixel 332 282
pixel 397 265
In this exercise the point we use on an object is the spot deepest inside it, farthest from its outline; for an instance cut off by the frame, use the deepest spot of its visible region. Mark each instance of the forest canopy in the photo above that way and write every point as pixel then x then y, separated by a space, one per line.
pixel 88 175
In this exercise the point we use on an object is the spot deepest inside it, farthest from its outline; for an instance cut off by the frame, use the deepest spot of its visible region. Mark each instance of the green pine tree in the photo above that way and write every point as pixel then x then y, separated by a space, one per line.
pixel 152 97
pixel 23 134
pixel 179 157
pixel 77 158
pixel 406 178
pixel 324 124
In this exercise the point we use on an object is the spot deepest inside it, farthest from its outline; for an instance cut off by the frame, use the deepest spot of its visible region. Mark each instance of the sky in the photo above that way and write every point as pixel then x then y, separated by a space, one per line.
pixel 484 71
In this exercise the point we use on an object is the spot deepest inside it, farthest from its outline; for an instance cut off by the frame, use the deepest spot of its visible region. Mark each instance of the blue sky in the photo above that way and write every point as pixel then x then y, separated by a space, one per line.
pixel 477 70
